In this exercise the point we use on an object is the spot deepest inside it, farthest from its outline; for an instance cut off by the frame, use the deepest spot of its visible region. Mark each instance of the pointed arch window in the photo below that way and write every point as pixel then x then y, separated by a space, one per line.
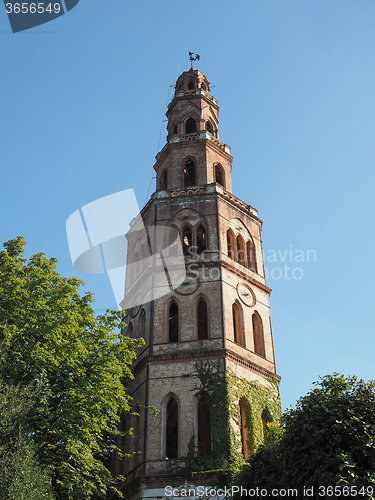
pixel 173 322
pixel 204 425
pixel 209 127
pixel 201 239
pixel 175 130
pixel 191 86
pixel 164 180
pixel 203 86
pixel 241 254
pixel 189 174
pixel 142 324
pixel 230 244
pixel 250 254
pixel 219 175
pixel 129 332
pixel 171 448
pixel 202 317
pixel 187 241
pixel 258 334
pixel 190 126
pixel 244 429
pixel 238 333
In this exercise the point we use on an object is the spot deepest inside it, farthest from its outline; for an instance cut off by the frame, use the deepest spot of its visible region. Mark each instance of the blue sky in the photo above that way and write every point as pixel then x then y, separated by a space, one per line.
pixel 83 99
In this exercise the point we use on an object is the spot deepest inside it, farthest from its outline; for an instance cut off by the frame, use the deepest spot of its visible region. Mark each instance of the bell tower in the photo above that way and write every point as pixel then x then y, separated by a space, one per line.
pixel 208 362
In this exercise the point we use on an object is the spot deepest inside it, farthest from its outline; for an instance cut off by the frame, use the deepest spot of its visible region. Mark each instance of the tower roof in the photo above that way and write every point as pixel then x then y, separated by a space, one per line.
pixel 192 79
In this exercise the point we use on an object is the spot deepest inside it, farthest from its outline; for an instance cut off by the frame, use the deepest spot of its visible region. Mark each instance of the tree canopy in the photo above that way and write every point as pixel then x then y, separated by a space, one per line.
pixel 75 365
pixel 328 439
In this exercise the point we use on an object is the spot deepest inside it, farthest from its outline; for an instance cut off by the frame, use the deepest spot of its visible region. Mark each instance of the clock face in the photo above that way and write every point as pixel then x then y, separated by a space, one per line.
pixel 246 294
pixel 189 285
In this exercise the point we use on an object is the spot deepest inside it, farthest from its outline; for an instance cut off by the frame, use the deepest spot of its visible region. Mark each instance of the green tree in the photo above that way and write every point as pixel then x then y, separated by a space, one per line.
pixel 78 363
pixel 21 475
pixel 328 440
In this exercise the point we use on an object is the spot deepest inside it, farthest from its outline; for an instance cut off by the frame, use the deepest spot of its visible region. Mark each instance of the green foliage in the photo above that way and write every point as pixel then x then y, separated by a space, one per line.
pixel 328 440
pixel 50 337
pixel 21 474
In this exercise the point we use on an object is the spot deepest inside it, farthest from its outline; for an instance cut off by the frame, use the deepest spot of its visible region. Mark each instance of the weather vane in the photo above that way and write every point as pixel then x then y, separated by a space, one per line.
pixel 192 58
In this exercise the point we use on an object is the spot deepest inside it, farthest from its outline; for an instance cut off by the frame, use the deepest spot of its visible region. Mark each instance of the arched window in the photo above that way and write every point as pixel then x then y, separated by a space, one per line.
pixel 202 319
pixel 129 332
pixel 175 130
pixel 219 175
pixel 173 322
pixel 201 239
pixel 238 333
pixel 244 429
pixel 258 334
pixel 203 86
pixel 241 254
pixel 250 254
pixel 189 174
pixel 187 241
pixel 230 244
pixel 164 180
pixel 209 127
pixel 142 324
pixel 204 425
pixel 190 126
pixel 191 86
pixel 171 448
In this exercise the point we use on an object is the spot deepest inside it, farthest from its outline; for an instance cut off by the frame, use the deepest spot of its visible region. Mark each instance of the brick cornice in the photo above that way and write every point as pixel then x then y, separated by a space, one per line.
pixel 217 354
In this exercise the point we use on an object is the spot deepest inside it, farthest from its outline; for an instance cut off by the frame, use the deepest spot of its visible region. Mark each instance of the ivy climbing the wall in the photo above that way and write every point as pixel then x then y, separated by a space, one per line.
pixel 224 391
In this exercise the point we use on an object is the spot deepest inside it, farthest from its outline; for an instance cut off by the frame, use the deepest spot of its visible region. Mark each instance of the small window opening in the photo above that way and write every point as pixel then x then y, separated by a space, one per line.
pixel 187 241
pixel 191 86
pixel 189 174
pixel 241 254
pixel 173 322
pixel 258 334
pixel 238 325
pixel 202 320
pixel 190 126
pixel 209 128
pixel 230 244
pixel 219 176
pixel 250 252
pixel 204 425
pixel 172 430
pixel 244 429
pixel 164 180
pixel 201 239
